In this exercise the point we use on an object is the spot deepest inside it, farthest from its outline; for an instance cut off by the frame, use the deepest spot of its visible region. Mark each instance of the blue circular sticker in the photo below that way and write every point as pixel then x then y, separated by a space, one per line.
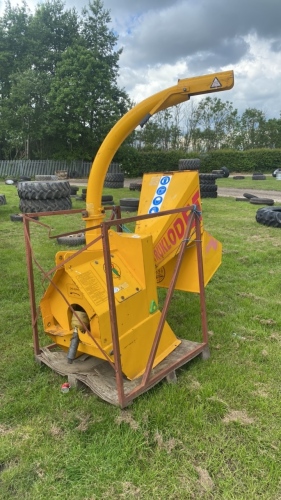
pixel 153 210
pixel 165 180
pixel 161 190
pixel 157 200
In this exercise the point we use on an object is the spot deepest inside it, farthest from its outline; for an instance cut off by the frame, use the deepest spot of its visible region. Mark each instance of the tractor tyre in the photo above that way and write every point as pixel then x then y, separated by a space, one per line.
pixel 106 197
pixel 207 177
pixel 189 164
pixel 128 208
pixel 129 202
pixel 111 177
pixel 249 196
pixel 113 185
pixel 225 171
pixel 74 190
pixel 135 186
pixel 258 177
pixel 72 240
pixel 209 194
pixel 31 206
pixel 48 190
pixel 114 168
pixel 206 183
pixel 19 217
pixel 208 187
pixel 262 201
pixel 269 216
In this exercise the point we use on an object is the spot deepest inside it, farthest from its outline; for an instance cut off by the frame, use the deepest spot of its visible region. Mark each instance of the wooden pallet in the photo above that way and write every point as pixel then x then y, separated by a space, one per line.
pixel 99 375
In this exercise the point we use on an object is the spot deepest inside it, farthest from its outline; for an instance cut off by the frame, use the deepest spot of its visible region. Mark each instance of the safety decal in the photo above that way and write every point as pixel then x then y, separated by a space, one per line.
pixel 116 271
pixel 216 84
pixel 160 194
pixel 160 274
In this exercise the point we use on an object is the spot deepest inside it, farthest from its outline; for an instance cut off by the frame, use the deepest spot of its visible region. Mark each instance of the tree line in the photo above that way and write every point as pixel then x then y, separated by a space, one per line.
pixel 59 93
pixel 208 125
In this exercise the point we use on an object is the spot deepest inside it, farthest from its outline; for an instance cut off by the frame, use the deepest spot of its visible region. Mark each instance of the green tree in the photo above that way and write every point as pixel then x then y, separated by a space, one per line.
pixel 273 133
pixel 23 114
pixel 31 46
pixel 84 96
pixel 52 31
pixel 14 25
pixel 251 130
pixel 149 137
pixel 14 43
pixel 216 123
pixel 58 84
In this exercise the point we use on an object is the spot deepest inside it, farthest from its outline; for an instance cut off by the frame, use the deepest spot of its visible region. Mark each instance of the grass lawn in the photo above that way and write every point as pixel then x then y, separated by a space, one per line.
pixel 216 434
pixel 270 183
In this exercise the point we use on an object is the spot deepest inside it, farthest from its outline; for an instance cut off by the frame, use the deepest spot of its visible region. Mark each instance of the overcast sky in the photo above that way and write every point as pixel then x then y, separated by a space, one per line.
pixel 164 40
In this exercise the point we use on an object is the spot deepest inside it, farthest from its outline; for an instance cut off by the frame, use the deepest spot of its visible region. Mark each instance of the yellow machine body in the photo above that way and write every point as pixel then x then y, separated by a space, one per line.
pixel 83 282
pixel 165 191
pixel 140 261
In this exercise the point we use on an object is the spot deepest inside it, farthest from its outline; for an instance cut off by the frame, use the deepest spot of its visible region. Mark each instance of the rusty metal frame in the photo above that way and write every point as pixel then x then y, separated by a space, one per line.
pixel 148 379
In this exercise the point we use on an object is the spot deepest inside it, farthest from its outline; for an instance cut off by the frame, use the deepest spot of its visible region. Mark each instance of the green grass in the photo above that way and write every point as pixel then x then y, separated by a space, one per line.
pixel 213 435
pixel 270 183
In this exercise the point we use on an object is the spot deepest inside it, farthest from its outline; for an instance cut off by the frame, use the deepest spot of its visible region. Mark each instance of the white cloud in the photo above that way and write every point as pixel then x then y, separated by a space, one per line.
pixel 164 40
pixel 256 79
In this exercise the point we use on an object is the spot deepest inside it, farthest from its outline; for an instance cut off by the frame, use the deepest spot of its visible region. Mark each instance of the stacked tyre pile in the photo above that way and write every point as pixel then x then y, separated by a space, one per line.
pixel 208 187
pixel 44 196
pixel 114 178
pixel 207 182
pixel 114 181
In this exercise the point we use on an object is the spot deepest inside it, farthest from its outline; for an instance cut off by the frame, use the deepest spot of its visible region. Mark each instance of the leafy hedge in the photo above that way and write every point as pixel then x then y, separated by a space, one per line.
pixel 135 162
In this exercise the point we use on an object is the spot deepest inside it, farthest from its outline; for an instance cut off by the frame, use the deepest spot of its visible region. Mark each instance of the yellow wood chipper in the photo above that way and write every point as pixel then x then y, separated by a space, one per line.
pixel 102 301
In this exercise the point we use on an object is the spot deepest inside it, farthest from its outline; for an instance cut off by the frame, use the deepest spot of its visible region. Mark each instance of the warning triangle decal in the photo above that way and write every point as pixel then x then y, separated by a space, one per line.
pixel 216 84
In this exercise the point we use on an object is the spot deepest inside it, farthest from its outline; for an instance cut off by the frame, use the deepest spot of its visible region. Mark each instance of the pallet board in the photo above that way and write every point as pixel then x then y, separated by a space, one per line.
pixel 99 375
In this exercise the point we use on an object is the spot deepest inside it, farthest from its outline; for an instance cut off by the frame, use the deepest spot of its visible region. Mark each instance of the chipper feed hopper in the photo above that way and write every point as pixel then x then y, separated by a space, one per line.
pixel 102 301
